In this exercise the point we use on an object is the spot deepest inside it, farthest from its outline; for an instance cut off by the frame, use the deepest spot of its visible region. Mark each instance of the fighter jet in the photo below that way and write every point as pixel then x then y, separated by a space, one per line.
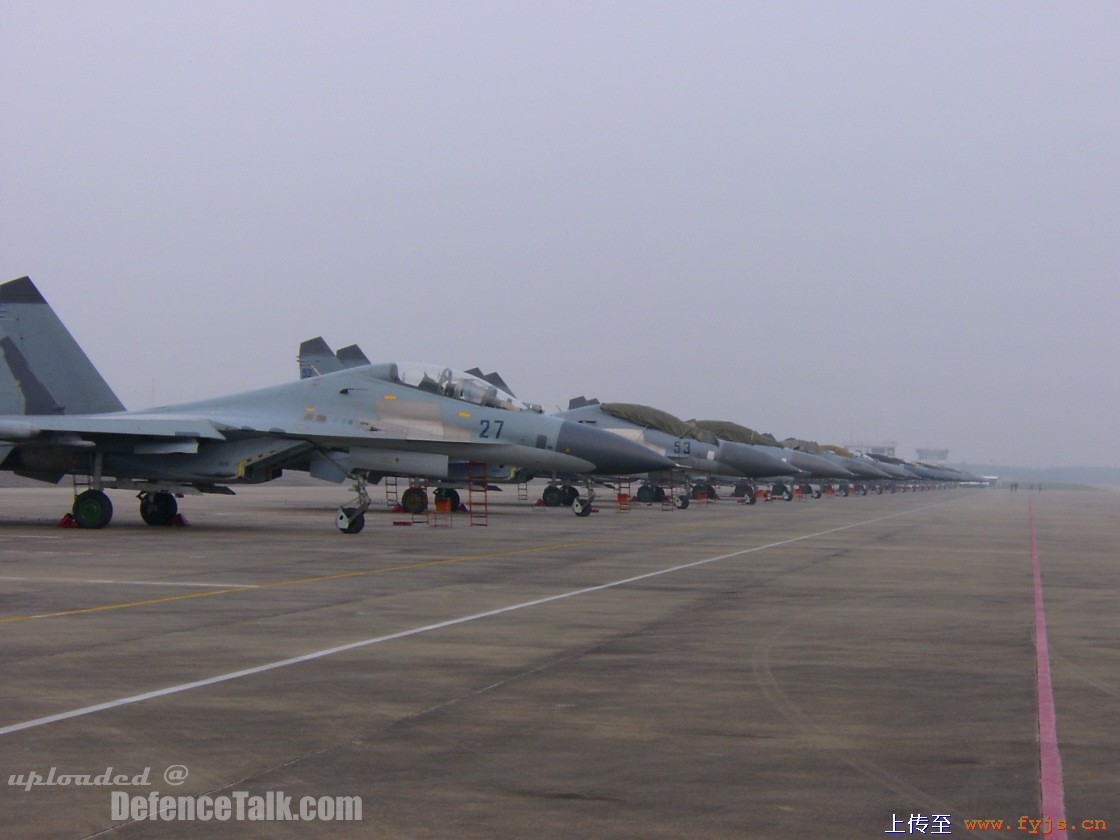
pixel 316 357
pixel 837 455
pixel 798 463
pixel 859 465
pixel 917 475
pixel 692 449
pixel 59 417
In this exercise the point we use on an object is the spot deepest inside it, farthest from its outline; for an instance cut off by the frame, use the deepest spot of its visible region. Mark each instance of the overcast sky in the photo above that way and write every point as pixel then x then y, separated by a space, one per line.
pixel 873 221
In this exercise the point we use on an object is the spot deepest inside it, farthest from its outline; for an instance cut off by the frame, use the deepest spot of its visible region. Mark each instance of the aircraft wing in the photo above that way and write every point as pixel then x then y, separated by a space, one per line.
pixel 124 424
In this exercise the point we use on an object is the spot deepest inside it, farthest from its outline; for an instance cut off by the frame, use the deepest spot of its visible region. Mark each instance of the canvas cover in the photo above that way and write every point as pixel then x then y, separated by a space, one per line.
pixel 733 432
pixel 654 418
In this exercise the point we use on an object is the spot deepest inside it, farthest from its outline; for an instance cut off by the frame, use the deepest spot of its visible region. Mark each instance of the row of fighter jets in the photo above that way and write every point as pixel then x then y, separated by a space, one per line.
pixel 347 419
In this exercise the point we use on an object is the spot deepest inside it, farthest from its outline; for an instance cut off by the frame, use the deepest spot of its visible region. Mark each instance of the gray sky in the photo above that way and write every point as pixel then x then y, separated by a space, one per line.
pixel 870 220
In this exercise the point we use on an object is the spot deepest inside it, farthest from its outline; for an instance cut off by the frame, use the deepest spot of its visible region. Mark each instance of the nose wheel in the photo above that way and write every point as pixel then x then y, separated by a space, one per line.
pixel 350 519
pixel 581 505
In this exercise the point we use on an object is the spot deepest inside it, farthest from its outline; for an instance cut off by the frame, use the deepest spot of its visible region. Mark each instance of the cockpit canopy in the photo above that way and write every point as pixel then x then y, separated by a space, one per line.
pixel 460 386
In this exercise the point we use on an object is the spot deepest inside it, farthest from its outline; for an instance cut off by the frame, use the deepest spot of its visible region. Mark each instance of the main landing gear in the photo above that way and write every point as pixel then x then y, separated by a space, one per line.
pixel 157 509
pixel 414 500
pixel 449 494
pixel 649 494
pixel 92 509
pixel 746 493
pixel 559 495
pixel 783 492
pixel 565 495
pixel 708 490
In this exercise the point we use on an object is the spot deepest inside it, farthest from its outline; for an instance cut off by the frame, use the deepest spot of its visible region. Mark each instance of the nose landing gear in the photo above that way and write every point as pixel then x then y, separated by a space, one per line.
pixel 351 519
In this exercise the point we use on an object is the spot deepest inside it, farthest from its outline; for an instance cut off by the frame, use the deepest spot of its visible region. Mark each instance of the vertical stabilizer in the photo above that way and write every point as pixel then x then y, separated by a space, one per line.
pixel 352 356
pixel 43 369
pixel 316 358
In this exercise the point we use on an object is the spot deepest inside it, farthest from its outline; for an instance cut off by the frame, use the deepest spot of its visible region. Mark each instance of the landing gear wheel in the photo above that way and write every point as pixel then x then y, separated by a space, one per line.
pixel 659 494
pixel 645 494
pixel 711 490
pixel 552 496
pixel 92 509
pixel 449 494
pixel 158 509
pixel 581 507
pixel 414 500
pixel 680 502
pixel 750 495
pixel 347 522
pixel 816 493
pixel 568 495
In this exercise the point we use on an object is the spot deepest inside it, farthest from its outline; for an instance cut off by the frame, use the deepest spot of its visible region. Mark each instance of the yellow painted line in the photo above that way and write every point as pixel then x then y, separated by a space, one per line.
pixel 107 607
pixel 679 528
pixel 298 581
pixel 428 628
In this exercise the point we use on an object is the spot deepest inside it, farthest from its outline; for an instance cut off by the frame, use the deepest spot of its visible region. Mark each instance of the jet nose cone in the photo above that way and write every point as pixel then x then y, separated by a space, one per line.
pixel 751 461
pixel 610 453
pixel 871 470
pixel 819 467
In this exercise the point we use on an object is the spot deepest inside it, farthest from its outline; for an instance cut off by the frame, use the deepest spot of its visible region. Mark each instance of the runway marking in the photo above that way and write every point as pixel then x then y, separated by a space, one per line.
pixel 1049 758
pixel 296 581
pixel 132 582
pixel 428 628
pixel 229 589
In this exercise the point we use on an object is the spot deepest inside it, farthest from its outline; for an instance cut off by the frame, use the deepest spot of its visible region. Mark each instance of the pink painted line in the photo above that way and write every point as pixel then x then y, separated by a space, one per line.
pixel 1050 761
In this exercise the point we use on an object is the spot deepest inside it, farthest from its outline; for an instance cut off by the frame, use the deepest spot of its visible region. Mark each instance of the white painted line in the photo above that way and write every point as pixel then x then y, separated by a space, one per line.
pixel 427 628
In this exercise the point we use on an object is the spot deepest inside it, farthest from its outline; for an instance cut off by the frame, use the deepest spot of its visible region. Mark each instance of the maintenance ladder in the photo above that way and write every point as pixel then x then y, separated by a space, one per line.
pixel 478 489
pixel 623 497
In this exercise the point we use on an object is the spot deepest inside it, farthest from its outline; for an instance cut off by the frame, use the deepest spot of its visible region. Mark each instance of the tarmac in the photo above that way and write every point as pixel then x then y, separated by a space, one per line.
pixel 833 668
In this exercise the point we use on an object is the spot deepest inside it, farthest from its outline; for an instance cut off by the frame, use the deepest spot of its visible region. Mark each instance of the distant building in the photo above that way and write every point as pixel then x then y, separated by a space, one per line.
pixel 934 457
pixel 886 448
